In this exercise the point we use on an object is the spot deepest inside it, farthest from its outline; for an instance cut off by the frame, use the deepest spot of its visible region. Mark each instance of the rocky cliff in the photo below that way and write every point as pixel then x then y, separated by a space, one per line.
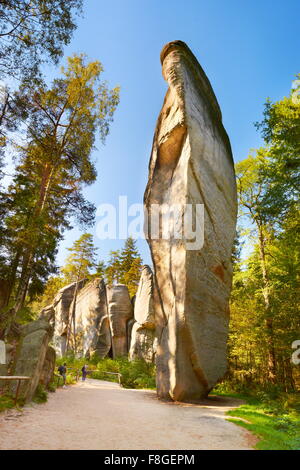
pixel 191 163
pixel 142 344
pixel 102 314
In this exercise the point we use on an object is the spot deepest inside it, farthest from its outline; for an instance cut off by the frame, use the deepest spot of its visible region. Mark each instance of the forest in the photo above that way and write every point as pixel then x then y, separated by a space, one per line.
pixel 47 138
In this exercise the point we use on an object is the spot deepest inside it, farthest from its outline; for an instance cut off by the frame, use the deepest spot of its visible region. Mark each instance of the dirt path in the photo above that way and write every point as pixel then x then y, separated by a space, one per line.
pixel 101 415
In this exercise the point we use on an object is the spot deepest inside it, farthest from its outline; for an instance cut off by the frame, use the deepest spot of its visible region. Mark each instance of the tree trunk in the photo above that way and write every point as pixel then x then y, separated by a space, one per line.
pixel 28 258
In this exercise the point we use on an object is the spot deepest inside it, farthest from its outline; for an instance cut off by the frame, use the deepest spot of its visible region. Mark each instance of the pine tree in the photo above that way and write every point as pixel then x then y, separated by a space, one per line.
pixel 131 265
pixel 82 259
pixel 132 277
pixel 100 270
pixel 54 166
pixel 113 271
pixel 128 254
pixel 125 266
pixel 33 32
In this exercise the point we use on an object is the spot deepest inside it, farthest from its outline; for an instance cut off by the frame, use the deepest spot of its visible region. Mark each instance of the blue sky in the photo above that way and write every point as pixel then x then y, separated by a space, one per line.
pixel 248 49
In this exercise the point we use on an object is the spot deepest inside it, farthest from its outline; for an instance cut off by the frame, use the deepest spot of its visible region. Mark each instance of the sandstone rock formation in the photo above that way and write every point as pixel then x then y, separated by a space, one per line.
pixel 103 317
pixel 61 306
pixel 143 331
pixel 92 319
pixel 48 367
pixel 120 312
pixel 191 163
pixel 30 360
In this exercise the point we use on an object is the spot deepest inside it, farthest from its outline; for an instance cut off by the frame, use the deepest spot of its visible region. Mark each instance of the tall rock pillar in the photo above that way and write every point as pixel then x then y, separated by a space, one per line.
pixel 191 163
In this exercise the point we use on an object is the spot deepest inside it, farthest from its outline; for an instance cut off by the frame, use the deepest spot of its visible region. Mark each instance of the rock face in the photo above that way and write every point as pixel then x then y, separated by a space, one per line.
pixel 102 314
pixel 61 306
pixel 48 367
pixel 143 330
pixel 30 360
pixel 92 319
pixel 191 163
pixel 120 312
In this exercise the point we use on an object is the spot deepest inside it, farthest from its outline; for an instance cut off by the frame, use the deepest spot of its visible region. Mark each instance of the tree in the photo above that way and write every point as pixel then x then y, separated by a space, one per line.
pixel 82 259
pixel 264 313
pixel 280 129
pixel 32 32
pixel 251 190
pixel 100 269
pixel 132 277
pixel 128 254
pixel 55 164
pixel 131 265
pixel 125 266
pixel 113 271
pixel 53 285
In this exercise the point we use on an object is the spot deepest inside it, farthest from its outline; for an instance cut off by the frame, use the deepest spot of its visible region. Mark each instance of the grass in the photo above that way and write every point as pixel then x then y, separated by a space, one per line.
pixel 6 402
pixel 134 374
pixel 41 395
pixel 272 416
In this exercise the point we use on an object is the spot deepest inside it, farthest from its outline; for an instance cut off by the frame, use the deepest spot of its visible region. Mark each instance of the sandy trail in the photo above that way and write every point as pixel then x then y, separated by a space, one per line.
pixel 101 415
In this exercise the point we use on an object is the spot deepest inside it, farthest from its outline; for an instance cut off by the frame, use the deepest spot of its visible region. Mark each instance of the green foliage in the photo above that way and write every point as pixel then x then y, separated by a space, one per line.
pixel 81 260
pixel 54 166
pixel 52 286
pixel 270 413
pixel 281 131
pixel 52 386
pixel 265 316
pixel 113 270
pixel 125 266
pixel 277 427
pixel 135 374
pixel 6 402
pixel 40 395
pixel 33 32
pixel 100 270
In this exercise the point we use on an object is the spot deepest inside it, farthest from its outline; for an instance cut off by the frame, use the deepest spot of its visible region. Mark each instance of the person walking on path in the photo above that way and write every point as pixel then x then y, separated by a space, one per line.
pixel 63 373
pixel 84 372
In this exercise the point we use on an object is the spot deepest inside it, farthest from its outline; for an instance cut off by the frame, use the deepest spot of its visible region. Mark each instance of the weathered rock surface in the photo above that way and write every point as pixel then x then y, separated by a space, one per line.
pixel 92 319
pixel 102 317
pixel 61 305
pixel 120 312
pixel 31 356
pixel 191 163
pixel 48 367
pixel 143 331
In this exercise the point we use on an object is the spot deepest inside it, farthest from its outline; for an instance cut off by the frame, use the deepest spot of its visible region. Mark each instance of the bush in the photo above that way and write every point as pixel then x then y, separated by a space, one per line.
pixel 52 386
pixel 134 374
pixel 40 396
pixel 6 402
